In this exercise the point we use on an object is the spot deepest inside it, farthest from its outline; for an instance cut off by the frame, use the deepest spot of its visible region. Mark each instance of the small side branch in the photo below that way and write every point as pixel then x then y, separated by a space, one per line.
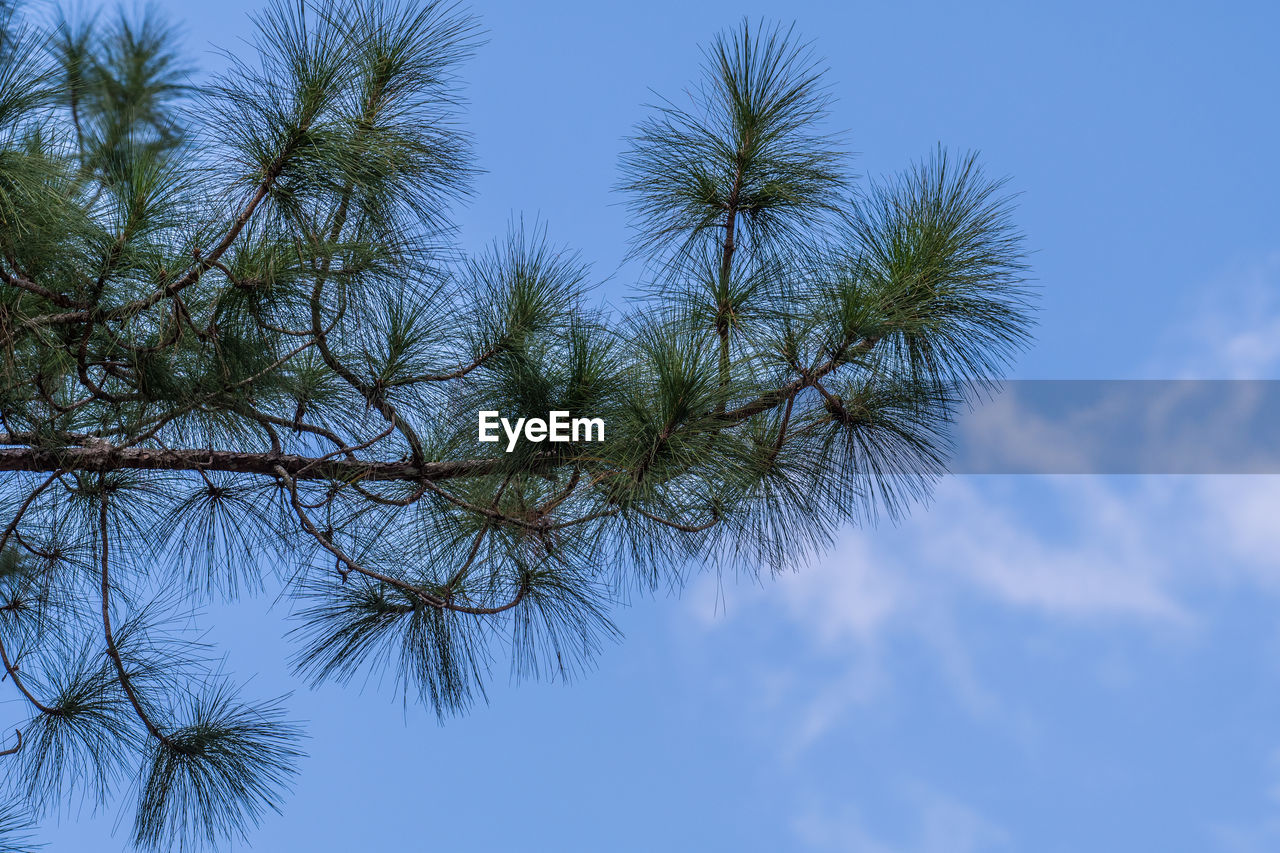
pixel 681 526
pixel 13 749
pixel 414 592
pixel 126 681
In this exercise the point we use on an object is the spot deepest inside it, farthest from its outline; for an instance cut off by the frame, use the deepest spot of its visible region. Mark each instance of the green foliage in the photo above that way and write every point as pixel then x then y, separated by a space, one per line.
pixel 749 141
pixel 240 353
pixel 222 767
pixel 120 83
pixel 79 747
pixel 15 831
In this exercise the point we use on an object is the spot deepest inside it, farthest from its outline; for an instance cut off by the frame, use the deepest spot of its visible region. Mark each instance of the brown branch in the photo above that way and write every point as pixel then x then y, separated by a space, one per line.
pixel 103 457
pixel 573 522
pixel 350 449
pixel 372 395
pixel 807 379
pixel 11 666
pixel 457 577
pixel 413 591
pixel 126 681
pixel 686 528
pixel 12 750
pixel 59 299
pixel 726 270
pixel 782 429
pixel 203 262
pixel 453 374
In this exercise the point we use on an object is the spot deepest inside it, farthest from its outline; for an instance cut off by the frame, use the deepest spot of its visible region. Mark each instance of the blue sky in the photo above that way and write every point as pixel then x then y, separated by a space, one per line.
pixel 1028 664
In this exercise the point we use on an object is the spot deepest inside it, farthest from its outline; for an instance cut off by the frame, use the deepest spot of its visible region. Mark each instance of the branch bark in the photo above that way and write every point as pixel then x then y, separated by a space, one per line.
pixel 101 458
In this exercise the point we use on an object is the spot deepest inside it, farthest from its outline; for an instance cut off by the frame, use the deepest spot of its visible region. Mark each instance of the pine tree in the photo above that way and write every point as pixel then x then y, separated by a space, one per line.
pixel 241 351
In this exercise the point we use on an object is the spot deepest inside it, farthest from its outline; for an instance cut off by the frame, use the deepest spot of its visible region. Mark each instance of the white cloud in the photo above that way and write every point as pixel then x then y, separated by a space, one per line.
pixel 1242 516
pixel 940 824
pixel 1232 331
pixel 1105 559
pixel 847 595
pixel 1106 565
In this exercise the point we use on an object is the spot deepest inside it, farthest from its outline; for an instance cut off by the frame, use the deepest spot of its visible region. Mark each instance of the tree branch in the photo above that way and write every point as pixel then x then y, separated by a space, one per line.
pixel 104 457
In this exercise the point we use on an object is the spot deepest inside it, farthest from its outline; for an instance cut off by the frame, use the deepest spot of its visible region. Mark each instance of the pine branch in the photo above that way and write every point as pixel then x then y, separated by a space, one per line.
pixel 240 352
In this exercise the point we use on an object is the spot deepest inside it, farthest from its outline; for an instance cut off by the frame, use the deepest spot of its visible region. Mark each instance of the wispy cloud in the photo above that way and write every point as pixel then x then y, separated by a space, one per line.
pixel 1232 328
pixel 942 824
